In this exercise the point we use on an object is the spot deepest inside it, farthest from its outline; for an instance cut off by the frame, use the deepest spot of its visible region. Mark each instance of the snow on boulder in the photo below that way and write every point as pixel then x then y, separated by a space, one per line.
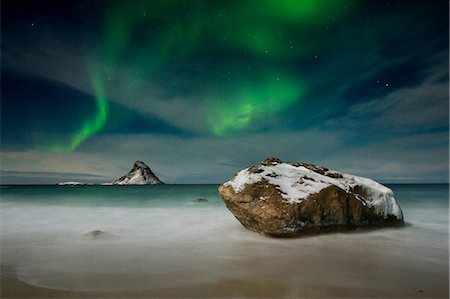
pixel 290 199
pixel 140 174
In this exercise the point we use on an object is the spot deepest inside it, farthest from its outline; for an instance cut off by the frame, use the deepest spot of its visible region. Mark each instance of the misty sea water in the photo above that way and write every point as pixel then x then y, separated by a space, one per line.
pixel 158 236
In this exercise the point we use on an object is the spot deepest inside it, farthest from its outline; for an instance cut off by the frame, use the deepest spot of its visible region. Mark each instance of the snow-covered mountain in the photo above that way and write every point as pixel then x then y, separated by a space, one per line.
pixel 140 174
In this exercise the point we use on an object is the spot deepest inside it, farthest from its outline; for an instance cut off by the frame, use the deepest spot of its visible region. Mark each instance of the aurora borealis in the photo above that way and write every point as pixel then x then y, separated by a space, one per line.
pixel 200 88
pixel 273 34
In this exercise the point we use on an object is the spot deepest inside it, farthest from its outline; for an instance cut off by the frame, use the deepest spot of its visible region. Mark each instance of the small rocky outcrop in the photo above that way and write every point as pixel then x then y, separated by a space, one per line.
pixel 140 174
pixel 291 199
pixel 200 200
pixel 97 234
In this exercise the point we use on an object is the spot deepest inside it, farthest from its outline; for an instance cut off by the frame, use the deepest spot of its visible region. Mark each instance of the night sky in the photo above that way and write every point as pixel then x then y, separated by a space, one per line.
pixel 201 89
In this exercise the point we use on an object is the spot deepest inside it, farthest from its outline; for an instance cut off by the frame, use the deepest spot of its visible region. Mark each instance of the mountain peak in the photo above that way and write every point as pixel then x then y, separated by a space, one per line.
pixel 140 174
pixel 140 164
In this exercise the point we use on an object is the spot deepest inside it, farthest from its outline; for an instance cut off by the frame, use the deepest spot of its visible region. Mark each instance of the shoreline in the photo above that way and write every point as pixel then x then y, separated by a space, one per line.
pixel 12 287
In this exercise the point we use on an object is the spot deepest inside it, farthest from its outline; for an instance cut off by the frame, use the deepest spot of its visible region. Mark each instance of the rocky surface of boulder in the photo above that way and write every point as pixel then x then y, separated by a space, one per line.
pixel 291 199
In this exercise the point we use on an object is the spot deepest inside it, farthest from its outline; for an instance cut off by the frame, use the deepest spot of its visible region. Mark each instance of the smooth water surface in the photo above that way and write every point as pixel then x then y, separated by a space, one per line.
pixel 157 236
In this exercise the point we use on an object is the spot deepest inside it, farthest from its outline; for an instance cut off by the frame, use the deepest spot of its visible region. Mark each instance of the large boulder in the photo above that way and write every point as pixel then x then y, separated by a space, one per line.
pixel 291 199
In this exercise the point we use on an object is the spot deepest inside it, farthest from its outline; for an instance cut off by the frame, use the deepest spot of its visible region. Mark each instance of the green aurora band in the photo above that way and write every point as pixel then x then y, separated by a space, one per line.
pixel 269 29
pixel 89 126
pixel 248 103
pixel 145 37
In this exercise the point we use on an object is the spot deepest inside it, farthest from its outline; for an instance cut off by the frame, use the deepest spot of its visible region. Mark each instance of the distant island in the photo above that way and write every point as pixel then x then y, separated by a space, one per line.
pixel 140 174
pixel 72 184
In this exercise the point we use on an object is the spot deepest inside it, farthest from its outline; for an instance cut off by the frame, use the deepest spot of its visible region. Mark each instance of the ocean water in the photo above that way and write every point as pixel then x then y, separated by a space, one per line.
pixel 158 237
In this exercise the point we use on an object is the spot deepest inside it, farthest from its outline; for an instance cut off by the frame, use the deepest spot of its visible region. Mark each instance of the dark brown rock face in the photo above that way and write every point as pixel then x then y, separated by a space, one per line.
pixel 291 199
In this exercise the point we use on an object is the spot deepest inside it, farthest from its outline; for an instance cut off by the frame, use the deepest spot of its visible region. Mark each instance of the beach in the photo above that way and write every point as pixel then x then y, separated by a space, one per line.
pixel 158 243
